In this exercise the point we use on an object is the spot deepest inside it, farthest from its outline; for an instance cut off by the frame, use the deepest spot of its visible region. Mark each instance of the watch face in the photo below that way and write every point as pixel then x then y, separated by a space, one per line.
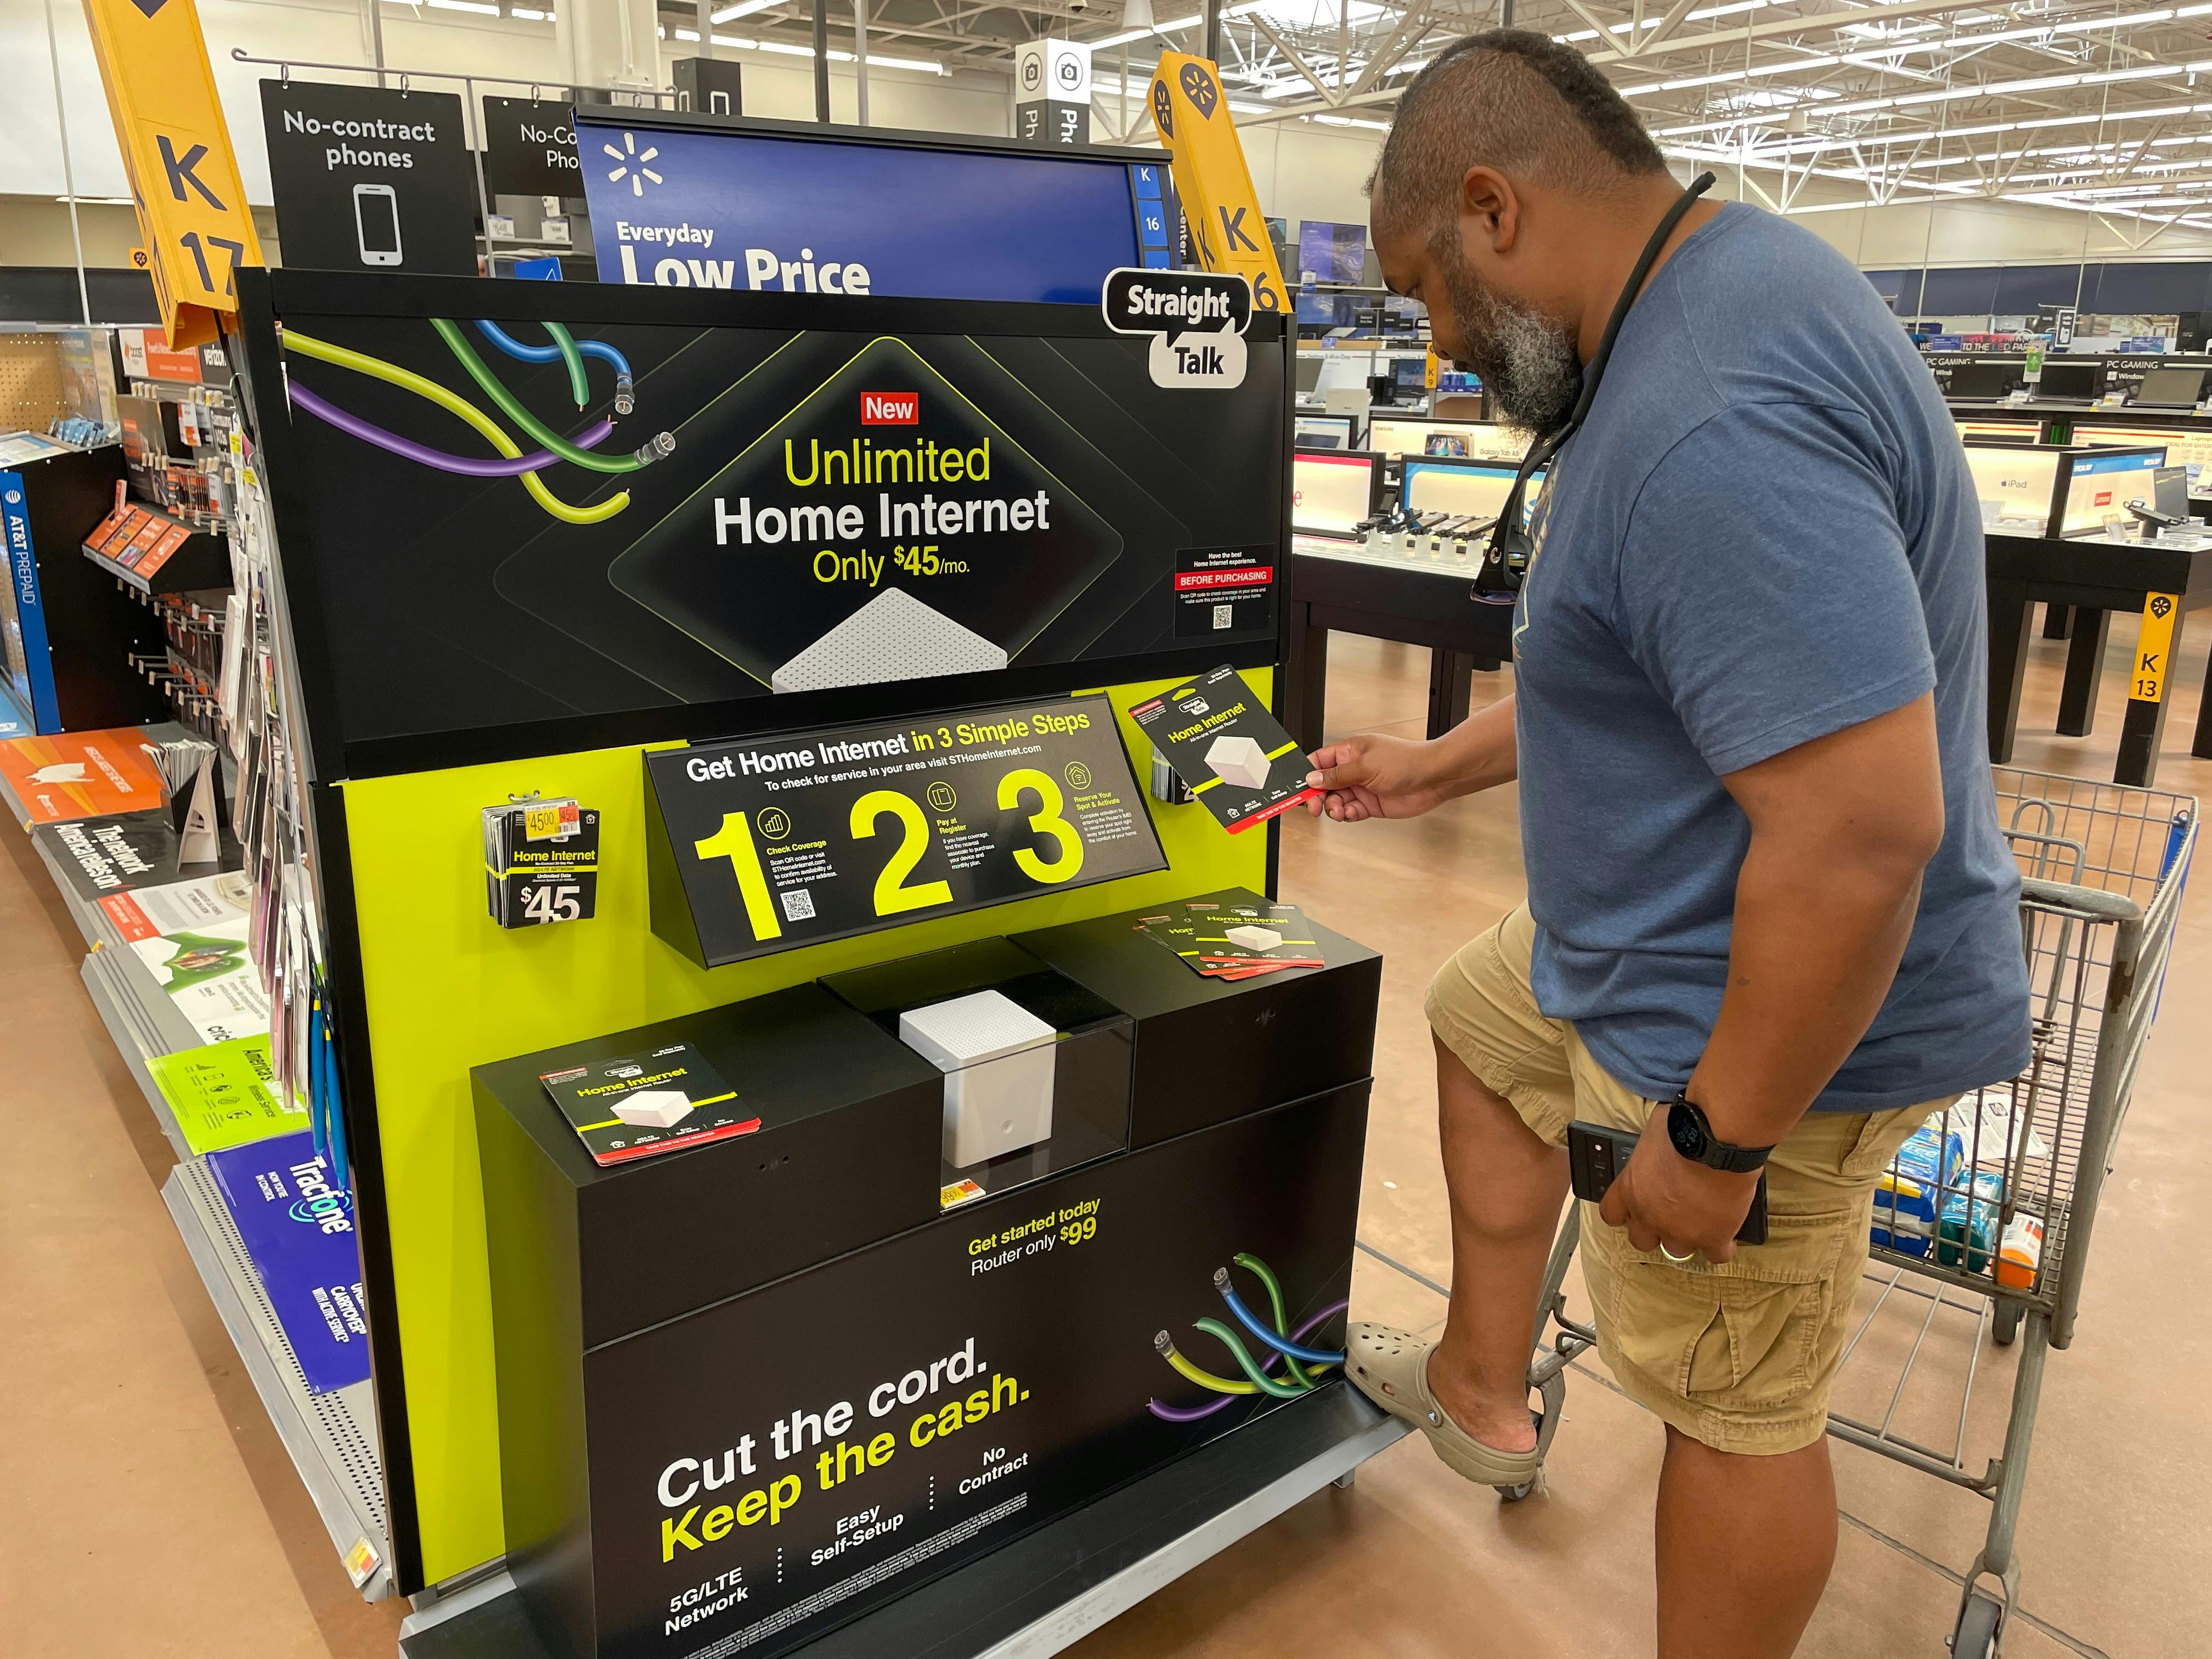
pixel 1684 1131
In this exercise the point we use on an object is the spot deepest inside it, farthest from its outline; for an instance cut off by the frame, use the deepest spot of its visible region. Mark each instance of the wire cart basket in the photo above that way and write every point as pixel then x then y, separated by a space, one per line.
pixel 1988 1214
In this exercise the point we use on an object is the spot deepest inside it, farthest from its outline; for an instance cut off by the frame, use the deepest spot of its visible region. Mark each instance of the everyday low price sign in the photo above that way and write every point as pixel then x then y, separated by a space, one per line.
pixel 768 843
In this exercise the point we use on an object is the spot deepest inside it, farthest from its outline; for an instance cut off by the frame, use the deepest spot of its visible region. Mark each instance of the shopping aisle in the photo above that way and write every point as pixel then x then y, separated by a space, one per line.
pixel 143 1478
pixel 141 1483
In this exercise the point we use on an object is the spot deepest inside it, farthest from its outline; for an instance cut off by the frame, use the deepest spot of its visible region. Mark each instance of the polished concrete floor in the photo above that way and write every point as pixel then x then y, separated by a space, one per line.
pixel 146 1509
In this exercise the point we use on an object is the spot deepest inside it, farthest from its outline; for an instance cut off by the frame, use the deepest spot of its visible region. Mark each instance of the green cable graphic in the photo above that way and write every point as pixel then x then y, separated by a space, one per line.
pixel 1250 1367
pixel 579 384
pixel 493 388
pixel 408 381
pixel 1266 1275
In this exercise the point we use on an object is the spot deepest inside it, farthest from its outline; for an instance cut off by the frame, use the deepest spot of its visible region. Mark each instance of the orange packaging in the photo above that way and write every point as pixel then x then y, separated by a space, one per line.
pixel 2020 1253
pixel 80 775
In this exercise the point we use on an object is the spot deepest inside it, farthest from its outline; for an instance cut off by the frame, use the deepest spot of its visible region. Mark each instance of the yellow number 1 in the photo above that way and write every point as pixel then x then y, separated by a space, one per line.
pixel 1046 821
pixel 734 840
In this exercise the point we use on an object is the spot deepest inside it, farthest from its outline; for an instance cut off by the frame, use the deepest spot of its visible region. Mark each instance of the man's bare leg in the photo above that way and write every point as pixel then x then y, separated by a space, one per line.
pixel 1744 1546
pixel 1506 1187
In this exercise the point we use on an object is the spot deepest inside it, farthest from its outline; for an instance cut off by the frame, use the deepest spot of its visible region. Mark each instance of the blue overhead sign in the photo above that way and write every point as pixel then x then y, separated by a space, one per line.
pixel 772 212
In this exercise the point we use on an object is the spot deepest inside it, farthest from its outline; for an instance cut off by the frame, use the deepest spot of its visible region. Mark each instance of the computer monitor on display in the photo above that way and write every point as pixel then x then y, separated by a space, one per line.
pixel 2170 491
pixel 1322 432
pixel 1476 489
pixel 1332 492
pixel 1982 380
pixel 2073 381
pixel 2170 388
pixel 1309 372
pixel 1409 374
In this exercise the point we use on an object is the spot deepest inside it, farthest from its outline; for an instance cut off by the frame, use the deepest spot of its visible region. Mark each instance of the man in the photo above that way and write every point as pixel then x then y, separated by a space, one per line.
pixel 1765 876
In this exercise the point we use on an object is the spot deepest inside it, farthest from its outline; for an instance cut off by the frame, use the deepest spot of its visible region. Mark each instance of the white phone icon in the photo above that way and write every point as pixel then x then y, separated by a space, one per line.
pixel 376 224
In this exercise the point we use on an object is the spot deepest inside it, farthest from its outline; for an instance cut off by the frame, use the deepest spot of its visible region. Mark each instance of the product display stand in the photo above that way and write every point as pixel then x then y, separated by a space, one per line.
pixel 1048 1590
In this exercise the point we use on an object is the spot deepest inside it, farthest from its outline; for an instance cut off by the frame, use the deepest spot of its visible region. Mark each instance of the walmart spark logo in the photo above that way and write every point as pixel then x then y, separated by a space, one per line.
pixel 630 164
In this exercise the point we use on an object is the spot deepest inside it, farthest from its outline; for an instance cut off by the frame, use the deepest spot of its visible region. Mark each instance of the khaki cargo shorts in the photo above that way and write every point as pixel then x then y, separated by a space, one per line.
pixel 1741 1355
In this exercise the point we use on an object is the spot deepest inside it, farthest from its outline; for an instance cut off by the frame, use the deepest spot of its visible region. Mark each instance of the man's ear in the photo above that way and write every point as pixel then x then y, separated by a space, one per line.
pixel 1489 208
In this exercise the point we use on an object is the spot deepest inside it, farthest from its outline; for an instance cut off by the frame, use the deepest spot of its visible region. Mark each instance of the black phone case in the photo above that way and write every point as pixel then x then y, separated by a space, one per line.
pixel 1596 1154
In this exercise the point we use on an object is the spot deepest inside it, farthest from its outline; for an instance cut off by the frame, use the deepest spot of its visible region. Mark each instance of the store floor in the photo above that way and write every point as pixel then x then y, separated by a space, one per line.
pixel 147 1508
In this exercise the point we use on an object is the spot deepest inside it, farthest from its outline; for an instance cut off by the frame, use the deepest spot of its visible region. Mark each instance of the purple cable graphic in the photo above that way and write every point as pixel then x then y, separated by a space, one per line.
pixel 590 438
pixel 1192 1413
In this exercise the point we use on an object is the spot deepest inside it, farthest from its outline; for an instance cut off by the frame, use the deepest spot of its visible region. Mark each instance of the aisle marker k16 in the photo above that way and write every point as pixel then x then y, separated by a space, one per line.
pixel 1212 177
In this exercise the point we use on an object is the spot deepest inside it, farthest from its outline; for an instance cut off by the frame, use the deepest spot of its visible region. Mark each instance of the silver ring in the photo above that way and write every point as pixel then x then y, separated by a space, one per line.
pixel 1671 1257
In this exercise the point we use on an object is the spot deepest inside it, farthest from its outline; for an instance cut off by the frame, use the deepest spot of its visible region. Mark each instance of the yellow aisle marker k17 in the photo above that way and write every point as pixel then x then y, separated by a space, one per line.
pixel 1211 176
pixel 176 148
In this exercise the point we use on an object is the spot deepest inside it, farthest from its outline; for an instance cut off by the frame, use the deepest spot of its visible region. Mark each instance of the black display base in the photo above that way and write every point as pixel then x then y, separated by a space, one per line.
pixel 1065 1579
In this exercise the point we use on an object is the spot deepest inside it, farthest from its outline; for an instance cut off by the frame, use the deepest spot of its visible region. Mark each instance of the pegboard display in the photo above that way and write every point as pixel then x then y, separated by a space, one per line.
pixel 30 382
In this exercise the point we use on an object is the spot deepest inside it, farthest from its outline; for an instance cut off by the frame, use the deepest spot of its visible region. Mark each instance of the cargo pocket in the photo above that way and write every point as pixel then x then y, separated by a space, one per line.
pixel 1743 1335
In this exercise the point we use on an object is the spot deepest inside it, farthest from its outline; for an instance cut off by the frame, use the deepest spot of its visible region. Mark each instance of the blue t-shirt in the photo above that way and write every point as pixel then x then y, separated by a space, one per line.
pixel 1765 533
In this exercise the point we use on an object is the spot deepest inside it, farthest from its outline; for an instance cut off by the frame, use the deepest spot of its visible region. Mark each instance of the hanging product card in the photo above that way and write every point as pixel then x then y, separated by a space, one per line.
pixel 1222 741
pixel 768 843
pixel 636 1105
pixel 541 862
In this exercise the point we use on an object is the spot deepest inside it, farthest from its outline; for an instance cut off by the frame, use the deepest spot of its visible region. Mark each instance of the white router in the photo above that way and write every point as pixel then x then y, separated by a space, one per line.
pixel 893 636
pixel 652 1109
pixel 1253 938
pixel 1239 761
pixel 997 1057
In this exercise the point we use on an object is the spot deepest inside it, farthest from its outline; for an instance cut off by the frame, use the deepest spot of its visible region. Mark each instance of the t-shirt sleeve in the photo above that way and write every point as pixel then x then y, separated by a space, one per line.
pixel 1764 586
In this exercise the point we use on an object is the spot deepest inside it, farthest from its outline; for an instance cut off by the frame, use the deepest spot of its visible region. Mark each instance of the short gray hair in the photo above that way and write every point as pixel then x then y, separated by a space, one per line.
pixel 1515 100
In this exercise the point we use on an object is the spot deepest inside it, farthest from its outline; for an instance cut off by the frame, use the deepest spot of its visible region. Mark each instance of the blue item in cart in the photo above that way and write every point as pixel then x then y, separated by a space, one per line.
pixel 1967 1234
pixel 1906 1243
pixel 1910 1188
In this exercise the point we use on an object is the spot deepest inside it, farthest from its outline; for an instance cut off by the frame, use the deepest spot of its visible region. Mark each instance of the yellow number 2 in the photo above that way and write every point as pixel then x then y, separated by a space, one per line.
pixel 1046 821
pixel 892 896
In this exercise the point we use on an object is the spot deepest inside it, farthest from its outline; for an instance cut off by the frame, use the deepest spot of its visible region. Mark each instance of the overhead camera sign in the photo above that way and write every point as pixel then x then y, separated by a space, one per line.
pixel 1196 320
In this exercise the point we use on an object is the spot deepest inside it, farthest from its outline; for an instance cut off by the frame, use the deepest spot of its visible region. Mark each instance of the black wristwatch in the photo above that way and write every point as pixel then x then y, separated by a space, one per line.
pixel 1693 1137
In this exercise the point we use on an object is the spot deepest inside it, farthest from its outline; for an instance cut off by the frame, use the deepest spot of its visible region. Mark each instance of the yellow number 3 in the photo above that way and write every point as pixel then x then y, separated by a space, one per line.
pixel 1046 821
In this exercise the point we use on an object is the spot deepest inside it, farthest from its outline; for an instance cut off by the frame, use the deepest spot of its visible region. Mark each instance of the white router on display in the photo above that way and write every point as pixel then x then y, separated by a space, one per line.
pixel 653 1108
pixel 893 636
pixel 1239 761
pixel 997 1057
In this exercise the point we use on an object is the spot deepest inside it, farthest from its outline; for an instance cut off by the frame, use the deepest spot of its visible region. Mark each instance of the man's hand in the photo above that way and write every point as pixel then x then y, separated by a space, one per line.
pixel 1376 777
pixel 1666 1200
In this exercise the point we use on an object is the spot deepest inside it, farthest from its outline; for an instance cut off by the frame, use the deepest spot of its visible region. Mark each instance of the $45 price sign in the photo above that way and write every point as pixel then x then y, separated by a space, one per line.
pixel 763 844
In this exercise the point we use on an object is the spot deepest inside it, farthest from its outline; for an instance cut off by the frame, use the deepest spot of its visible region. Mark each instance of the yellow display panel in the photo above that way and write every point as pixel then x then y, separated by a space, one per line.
pixel 176 150
pixel 447 989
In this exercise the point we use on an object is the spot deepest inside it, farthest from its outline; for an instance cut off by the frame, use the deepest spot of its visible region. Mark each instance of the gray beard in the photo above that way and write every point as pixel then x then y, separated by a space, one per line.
pixel 1526 361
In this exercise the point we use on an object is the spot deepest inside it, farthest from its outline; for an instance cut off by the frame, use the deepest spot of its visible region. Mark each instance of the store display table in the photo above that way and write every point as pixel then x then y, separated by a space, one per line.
pixel 1333 586
pixel 2160 582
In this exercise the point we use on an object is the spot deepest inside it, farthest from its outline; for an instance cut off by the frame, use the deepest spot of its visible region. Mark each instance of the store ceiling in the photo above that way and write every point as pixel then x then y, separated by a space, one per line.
pixel 1825 104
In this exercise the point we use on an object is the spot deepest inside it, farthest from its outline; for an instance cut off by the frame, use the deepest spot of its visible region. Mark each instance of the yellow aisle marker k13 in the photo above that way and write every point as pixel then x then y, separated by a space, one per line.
pixel 176 148
pixel 1211 176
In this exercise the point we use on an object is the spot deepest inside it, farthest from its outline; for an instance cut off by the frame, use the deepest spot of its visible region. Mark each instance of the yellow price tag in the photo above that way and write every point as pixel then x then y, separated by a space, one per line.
pixel 540 822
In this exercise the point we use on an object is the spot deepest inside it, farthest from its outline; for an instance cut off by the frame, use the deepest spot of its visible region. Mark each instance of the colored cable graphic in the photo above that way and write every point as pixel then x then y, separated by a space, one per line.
pixel 408 449
pixel 659 445
pixel 1290 1351
pixel 1249 1367
pixel 408 381
pixel 1261 1271
pixel 1229 1392
pixel 625 385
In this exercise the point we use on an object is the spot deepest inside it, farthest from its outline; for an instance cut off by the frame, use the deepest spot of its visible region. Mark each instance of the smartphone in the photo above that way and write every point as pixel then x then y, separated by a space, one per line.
pixel 1597 1154
pixel 376 224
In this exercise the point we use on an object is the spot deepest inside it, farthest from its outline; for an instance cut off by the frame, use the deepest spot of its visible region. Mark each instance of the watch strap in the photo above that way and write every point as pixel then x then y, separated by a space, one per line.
pixel 1718 1154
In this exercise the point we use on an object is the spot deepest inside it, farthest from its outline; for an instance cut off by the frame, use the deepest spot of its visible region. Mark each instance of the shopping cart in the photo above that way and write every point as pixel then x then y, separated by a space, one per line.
pixel 2102 872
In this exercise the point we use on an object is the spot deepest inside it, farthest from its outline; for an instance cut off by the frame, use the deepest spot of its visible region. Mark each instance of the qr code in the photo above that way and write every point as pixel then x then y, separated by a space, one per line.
pixel 1222 614
pixel 798 905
